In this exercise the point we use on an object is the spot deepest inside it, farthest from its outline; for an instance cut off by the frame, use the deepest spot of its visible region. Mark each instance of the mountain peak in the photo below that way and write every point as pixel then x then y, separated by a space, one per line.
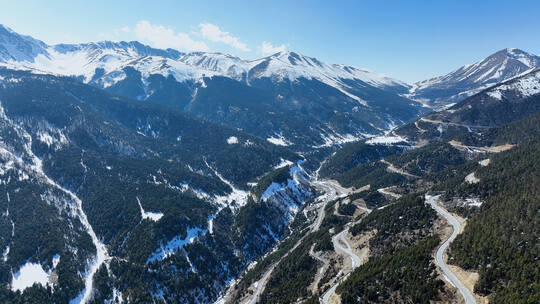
pixel 471 79
pixel 512 53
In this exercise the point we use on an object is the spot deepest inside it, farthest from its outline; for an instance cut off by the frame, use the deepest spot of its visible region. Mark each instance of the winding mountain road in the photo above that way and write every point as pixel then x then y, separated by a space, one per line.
pixel 397 170
pixel 439 256
pixel 321 271
pixel 326 297
pixel 331 190
pixel 341 244
pixel 260 285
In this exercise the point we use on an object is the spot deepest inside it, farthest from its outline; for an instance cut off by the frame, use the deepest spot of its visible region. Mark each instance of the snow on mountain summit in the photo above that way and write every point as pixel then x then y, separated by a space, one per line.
pixel 110 58
pixel 471 79
pixel 294 65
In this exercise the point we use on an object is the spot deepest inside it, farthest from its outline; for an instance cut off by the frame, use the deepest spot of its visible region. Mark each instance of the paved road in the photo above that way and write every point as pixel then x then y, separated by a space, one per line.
pixel 338 240
pixel 473 149
pixel 397 170
pixel 452 123
pixel 261 285
pixel 322 270
pixel 331 291
pixel 341 244
pixel 331 191
pixel 439 256
pixel 385 191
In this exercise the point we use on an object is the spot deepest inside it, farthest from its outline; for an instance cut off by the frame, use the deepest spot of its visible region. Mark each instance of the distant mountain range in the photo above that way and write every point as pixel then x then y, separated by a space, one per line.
pixel 288 98
pixel 112 57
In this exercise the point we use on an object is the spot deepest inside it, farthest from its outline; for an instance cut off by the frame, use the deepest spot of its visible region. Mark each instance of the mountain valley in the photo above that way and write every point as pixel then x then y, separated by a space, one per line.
pixel 131 174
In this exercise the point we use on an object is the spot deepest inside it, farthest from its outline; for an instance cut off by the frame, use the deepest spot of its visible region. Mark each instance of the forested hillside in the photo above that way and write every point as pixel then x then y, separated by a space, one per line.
pixel 501 240
pixel 153 193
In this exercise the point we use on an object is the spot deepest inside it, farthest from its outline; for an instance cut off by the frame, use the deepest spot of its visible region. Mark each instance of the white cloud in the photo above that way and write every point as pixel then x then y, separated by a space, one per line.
pixel 162 37
pixel 268 49
pixel 214 34
pixel 125 29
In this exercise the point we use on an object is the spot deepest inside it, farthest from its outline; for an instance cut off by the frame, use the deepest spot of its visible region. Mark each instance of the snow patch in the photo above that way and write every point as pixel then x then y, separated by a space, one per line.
pixel 279 140
pixel 471 179
pixel 55 260
pixel 232 140
pixel 474 202
pixel 338 139
pixel 283 163
pixel 236 195
pixel 272 190
pixel 495 94
pixel 153 216
pixel 175 244
pixel 386 140
pixel 5 254
pixel 288 194
pixel 525 86
pixel 28 275
pixel 484 162
pixel 52 137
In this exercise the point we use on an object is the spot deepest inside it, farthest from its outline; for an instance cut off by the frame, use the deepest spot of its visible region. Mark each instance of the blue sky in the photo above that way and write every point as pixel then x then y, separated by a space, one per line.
pixel 408 40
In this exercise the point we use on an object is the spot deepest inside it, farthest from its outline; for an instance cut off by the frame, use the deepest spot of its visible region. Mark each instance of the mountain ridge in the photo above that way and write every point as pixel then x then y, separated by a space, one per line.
pixel 198 59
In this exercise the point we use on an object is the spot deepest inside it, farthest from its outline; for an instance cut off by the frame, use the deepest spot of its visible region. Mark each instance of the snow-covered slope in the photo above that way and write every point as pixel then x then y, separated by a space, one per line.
pixel 15 47
pixel 525 86
pixel 473 78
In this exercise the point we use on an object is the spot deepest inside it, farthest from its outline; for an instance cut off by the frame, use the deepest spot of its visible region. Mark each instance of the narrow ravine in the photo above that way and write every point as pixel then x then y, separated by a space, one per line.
pixel 331 191
pixel 37 168
pixel 101 251
pixel 439 255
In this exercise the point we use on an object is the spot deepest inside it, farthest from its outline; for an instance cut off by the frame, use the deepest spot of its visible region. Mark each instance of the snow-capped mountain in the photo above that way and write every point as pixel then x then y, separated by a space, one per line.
pixel 508 101
pixel 84 59
pixel 473 78
pixel 268 97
